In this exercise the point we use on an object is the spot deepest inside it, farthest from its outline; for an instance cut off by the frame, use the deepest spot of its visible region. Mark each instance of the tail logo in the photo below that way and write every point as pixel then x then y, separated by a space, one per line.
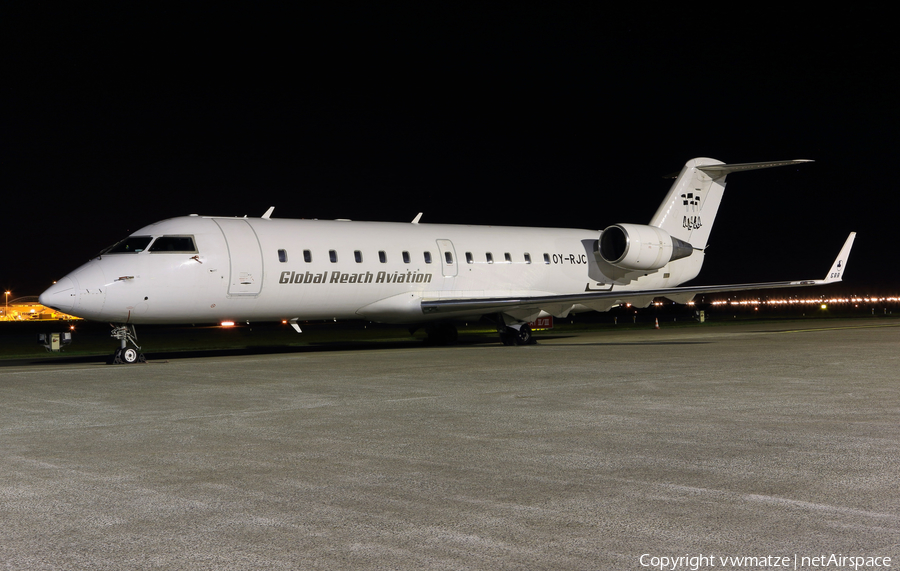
pixel 691 201
pixel 692 204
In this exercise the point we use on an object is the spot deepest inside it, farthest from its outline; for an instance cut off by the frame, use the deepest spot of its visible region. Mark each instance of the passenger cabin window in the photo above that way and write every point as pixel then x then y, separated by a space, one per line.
pixel 382 256
pixel 469 258
pixel 427 257
pixel 174 244
pixel 282 256
pixel 507 257
pixel 130 245
pixel 307 256
pixel 405 257
pixel 546 258
pixel 358 256
pixel 332 255
pixel 527 258
pixel 489 257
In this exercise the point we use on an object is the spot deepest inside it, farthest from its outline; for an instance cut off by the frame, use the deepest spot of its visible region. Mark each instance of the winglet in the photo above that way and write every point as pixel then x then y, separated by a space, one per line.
pixel 268 212
pixel 840 263
pixel 417 218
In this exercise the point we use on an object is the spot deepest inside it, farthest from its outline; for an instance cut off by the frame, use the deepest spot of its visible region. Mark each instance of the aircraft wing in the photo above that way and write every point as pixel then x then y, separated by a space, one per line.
pixel 553 303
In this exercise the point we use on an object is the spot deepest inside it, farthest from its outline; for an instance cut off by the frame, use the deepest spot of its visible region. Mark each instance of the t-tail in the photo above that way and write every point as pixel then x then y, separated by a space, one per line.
pixel 676 238
pixel 690 208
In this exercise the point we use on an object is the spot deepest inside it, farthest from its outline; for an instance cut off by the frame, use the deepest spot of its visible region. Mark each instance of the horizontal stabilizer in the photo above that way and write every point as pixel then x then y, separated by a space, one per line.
pixel 717 171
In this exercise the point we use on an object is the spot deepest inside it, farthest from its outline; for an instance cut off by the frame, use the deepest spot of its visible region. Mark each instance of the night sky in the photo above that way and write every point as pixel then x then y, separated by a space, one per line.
pixel 521 115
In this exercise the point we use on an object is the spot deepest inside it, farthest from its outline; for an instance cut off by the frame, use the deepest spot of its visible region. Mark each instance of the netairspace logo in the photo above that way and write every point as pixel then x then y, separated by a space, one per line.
pixel 697 562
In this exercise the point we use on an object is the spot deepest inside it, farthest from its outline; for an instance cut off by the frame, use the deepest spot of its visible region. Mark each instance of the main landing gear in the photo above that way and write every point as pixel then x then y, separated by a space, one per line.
pixel 516 334
pixel 125 354
pixel 513 332
pixel 444 333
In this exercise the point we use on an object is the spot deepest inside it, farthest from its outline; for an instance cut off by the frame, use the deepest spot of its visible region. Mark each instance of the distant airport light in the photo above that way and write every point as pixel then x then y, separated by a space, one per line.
pixel 810 301
pixel 227 324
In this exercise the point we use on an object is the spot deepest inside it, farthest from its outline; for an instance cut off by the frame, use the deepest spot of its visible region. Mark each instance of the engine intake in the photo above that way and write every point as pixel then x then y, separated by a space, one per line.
pixel 640 247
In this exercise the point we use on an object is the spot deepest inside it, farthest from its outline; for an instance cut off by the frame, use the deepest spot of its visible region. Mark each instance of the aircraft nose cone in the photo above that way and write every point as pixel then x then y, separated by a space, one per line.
pixel 60 296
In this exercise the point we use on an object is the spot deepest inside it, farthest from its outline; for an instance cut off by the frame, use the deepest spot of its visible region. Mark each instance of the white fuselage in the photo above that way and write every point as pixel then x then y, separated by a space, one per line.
pixel 271 269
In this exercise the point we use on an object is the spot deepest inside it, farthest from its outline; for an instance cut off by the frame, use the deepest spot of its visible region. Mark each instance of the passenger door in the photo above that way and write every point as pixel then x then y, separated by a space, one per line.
pixel 245 257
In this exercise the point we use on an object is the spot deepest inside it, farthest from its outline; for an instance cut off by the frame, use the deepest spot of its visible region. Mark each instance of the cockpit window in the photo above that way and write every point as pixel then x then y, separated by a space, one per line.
pixel 130 245
pixel 172 244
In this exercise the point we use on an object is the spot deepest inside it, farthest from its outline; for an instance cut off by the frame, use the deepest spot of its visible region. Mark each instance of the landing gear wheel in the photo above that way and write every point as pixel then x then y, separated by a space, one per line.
pixel 520 336
pixel 127 356
pixel 524 336
pixel 130 355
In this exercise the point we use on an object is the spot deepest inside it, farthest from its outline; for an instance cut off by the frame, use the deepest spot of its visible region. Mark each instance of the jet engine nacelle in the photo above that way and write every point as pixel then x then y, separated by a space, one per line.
pixel 640 247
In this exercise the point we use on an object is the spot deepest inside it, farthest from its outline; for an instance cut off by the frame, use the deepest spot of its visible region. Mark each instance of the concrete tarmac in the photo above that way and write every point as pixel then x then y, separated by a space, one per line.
pixel 604 450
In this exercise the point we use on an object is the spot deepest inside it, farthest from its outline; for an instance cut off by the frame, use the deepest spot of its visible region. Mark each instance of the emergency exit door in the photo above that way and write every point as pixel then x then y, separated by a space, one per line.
pixel 448 258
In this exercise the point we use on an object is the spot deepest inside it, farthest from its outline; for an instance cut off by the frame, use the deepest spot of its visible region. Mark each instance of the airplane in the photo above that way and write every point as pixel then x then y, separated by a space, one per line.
pixel 207 269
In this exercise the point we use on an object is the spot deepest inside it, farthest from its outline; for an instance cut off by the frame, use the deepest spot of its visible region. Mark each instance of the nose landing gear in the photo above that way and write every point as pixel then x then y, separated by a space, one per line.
pixel 125 354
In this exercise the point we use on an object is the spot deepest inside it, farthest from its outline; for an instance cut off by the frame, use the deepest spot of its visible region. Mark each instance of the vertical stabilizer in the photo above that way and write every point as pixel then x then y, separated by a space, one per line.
pixel 689 210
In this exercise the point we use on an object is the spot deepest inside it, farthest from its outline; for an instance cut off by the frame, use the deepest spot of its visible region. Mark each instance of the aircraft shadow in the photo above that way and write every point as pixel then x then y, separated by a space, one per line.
pixel 626 343
pixel 318 347
pixel 314 347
